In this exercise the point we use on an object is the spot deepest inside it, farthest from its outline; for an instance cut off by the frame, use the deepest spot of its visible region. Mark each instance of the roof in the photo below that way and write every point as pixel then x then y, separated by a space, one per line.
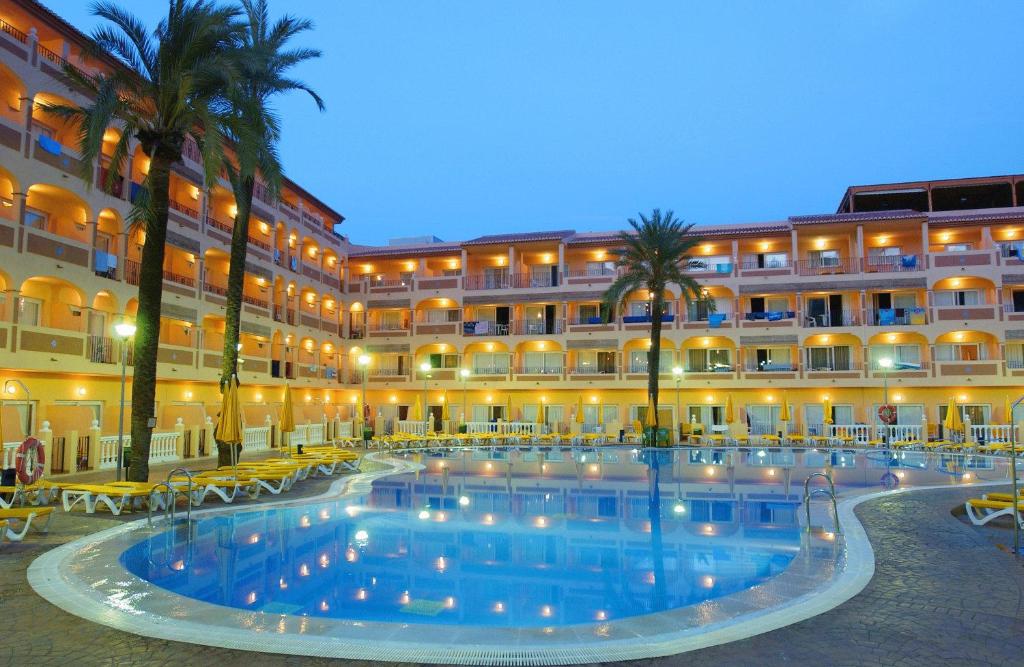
pixel 418 250
pixel 864 216
pixel 523 237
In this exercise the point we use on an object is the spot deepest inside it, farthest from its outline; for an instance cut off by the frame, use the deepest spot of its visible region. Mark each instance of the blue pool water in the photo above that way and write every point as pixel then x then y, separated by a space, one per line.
pixel 495 538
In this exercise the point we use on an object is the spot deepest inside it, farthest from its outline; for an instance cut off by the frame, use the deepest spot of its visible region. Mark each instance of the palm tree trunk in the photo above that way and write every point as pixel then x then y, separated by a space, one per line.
pixel 236 283
pixel 654 360
pixel 147 319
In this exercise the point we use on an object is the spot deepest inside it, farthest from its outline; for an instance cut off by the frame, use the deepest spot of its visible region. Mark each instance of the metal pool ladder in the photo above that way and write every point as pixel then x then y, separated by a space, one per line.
pixel 171 491
pixel 830 492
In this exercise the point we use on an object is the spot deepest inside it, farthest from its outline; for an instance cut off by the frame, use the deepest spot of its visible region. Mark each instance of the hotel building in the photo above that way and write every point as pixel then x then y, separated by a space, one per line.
pixel 928 274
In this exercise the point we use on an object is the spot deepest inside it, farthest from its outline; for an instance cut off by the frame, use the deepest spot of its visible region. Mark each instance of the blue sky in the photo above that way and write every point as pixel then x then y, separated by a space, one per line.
pixel 463 118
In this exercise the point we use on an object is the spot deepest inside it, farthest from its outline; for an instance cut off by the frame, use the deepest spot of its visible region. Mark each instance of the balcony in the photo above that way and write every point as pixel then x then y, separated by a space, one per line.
pixel 552 373
pixel 484 328
pixel 769 367
pixel 382 286
pixel 389 328
pixel 1012 313
pixel 210 288
pixel 972 369
pixel 982 311
pixel 589 323
pixel 536 327
pixel 255 301
pixel 774 318
pixel 186 210
pixel 958 258
pixel 179 279
pixel 716 320
pixel 116 188
pixel 478 372
pixel 131 271
pixel 509 281
pixel 590 276
pixel 891 317
pixel 752 268
pixel 594 370
pixel 833 369
pixel 218 225
pixel 844 318
pixel 640 322
pixel 828 267
pixel 893 264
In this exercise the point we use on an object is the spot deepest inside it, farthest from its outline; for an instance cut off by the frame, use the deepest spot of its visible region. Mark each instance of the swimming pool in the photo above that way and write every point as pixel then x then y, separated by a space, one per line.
pixel 485 543
pixel 505 556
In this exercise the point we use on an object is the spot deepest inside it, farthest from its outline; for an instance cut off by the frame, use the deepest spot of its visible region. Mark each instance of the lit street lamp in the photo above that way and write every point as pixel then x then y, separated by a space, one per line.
pixel 364 363
pixel 885 363
pixel 124 331
pixel 464 374
pixel 425 368
pixel 677 375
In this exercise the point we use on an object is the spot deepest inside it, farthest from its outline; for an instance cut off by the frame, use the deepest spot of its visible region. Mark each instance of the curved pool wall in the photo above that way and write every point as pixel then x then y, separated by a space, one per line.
pixel 361 576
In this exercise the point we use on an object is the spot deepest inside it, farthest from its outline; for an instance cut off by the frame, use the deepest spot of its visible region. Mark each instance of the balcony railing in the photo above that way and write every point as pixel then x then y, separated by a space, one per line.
pixel 507 281
pixel 255 301
pixel 116 188
pixel 591 273
pixel 390 284
pixel 845 318
pixel 817 267
pixel 131 271
pixel 537 370
pixel 592 320
pixel 489 370
pixel 592 370
pixel 642 366
pixel 217 224
pixel 832 366
pixel 13 32
pixel 770 316
pixel 389 326
pixel 388 372
pixel 893 264
pixel 769 367
pixel 484 328
pixel 890 317
pixel 262 245
pixel 899 367
pixel 59 60
pixel 181 208
pixel 536 327
pixel 210 288
pixel 173 277
pixel 709 368
pixel 646 319
pixel 101 350
pixel 774 265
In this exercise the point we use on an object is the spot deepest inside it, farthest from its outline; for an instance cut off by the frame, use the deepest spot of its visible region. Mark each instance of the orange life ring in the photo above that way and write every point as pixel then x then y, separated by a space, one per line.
pixel 29 460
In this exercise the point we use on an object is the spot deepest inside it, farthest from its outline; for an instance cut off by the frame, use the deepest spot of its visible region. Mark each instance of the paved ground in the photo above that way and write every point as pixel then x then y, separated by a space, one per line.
pixel 944 593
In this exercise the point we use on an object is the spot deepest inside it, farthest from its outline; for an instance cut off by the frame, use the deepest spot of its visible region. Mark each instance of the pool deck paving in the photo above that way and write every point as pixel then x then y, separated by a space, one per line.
pixel 943 593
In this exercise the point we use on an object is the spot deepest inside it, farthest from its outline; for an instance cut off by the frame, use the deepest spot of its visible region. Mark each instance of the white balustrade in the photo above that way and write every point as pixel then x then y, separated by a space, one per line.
pixel 990 432
pixel 344 429
pixel 163 447
pixel 904 433
pixel 10 449
pixel 506 428
pixel 315 434
pixel 108 450
pixel 415 427
pixel 256 438
pixel 860 433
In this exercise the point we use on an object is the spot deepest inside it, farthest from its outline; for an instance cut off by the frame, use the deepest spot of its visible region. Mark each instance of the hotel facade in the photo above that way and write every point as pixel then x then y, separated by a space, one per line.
pixel 927 274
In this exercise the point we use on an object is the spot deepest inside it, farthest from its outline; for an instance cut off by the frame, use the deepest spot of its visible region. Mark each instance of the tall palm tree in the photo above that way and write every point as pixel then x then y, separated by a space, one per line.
pixel 654 256
pixel 163 92
pixel 252 128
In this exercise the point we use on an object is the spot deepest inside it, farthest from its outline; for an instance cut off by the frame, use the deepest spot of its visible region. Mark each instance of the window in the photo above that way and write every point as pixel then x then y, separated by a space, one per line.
pixel 29 311
pixel 639 308
pixel 960 352
pixel 611 413
pixel 766 260
pixel 842 415
pixel 978 413
pixel 542 362
pixel 391 320
pixel 600 268
pixel 824 257
pixel 490 363
pixel 835 358
pixel 37 219
pixel 703 360
pixel 442 315
pixel 451 273
pixel 971 297
pixel 588 311
pixel 707 415
pixel 638 361
pixel 540 275
pixel 771 359
pixel 488 413
pixel 958 247
pixel 718 264
pixel 596 361
pixel 444 360
pixel 1015 355
pixel 765 418
pixel 406 277
pixel 903 356
pixel 887 256
pixel 906 414
pixel 495 278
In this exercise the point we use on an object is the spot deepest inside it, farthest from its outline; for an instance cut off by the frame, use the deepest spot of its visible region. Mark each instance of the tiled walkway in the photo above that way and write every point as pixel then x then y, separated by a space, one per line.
pixel 942 594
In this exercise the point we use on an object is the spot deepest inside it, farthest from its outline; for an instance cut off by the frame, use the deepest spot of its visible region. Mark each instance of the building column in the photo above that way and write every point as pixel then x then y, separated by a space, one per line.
pixel 563 270
pixel 735 245
pixel 859 249
pixel 794 248
pixel 924 238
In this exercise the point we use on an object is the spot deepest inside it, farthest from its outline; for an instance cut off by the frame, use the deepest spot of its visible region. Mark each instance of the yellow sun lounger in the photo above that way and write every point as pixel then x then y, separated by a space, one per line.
pixel 26 515
pixel 272 481
pixel 116 496
pixel 219 484
pixel 980 510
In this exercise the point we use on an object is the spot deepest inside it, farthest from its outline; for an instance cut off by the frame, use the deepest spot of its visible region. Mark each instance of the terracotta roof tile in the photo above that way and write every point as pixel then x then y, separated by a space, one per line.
pixel 522 237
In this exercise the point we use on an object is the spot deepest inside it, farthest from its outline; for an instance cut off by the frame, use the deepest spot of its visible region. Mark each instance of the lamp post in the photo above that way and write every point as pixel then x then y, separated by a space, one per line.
pixel 677 375
pixel 464 374
pixel 363 361
pixel 885 363
pixel 124 331
pixel 425 368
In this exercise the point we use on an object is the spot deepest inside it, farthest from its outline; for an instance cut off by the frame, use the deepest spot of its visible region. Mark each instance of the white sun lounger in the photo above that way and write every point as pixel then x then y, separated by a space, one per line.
pixel 26 515
pixel 981 510
pixel 114 496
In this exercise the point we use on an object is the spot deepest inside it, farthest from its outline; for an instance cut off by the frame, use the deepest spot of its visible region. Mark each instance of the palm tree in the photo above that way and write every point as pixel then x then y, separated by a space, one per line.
pixel 164 90
pixel 252 128
pixel 654 256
